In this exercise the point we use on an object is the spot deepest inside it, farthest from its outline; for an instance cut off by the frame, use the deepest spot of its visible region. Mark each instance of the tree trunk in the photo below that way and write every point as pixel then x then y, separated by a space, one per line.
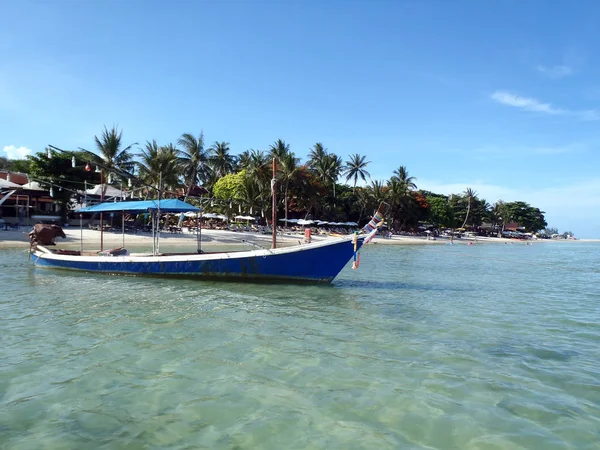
pixel 468 211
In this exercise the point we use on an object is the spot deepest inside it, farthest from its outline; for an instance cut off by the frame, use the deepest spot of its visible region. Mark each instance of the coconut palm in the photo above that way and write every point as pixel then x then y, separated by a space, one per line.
pixel 158 166
pixel 221 162
pixel 278 150
pixel 288 169
pixel 470 195
pixel 328 170
pixel 109 145
pixel 259 168
pixel 377 193
pixel 356 168
pixel 193 159
pixel 316 154
pixel 112 155
pixel 243 160
pixel 401 174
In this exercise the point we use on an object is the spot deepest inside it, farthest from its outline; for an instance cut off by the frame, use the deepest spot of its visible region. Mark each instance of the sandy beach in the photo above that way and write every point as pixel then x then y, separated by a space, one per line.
pixel 217 238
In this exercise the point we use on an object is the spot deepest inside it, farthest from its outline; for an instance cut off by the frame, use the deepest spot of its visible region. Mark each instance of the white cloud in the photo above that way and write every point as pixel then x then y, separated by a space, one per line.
pixel 555 72
pixel 13 152
pixel 531 104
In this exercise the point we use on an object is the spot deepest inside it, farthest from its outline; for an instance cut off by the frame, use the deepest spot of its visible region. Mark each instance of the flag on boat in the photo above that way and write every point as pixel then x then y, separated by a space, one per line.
pixel 377 219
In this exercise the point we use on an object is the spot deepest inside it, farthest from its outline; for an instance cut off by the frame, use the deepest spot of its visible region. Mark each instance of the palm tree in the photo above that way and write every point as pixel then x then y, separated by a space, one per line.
pixel 289 169
pixel 316 154
pixel 401 174
pixel 355 168
pixel 159 165
pixel 278 150
pixel 112 156
pixel 109 145
pixel 470 195
pixel 221 162
pixel 333 167
pixel 243 160
pixel 259 168
pixel 193 160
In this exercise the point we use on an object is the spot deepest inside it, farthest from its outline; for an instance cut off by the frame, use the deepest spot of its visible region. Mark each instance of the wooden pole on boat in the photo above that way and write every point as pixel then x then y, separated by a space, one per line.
pixel 101 217
pixel 198 231
pixel 274 207
pixel 81 234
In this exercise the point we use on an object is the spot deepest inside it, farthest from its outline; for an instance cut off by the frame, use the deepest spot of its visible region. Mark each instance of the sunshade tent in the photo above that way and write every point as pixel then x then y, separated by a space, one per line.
pixel 165 206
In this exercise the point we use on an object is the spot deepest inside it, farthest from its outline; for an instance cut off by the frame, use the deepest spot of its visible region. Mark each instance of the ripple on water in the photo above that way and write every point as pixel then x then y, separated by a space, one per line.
pixel 422 347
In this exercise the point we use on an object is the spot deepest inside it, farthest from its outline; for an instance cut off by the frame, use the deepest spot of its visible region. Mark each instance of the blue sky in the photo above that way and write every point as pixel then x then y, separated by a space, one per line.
pixel 502 97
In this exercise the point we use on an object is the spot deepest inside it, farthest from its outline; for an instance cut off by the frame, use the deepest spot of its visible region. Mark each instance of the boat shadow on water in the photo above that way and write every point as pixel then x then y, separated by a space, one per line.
pixel 393 285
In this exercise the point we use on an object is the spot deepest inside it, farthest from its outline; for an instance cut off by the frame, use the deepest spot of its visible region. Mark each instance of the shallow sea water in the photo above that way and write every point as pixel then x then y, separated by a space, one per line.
pixel 470 347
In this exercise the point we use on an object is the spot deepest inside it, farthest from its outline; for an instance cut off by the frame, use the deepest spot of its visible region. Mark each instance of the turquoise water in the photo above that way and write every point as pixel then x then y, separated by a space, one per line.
pixel 470 347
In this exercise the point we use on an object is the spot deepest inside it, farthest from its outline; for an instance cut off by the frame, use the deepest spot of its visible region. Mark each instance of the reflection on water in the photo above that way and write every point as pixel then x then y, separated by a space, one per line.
pixel 421 347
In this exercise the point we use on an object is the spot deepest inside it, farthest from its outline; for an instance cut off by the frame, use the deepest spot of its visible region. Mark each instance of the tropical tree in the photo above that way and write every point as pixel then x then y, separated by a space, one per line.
pixel 243 160
pixel 193 159
pixel 402 176
pixel 288 170
pixel 58 174
pixel 527 216
pixel 441 213
pixel 316 154
pixel 470 195
pixel 278 150
pixel 112 153
pixel 221 161
pixel 158 166
pixel 356 168
pixel 14 165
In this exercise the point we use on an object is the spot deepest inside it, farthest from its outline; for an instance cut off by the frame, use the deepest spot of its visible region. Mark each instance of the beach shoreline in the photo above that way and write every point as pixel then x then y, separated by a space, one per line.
pixel 221 238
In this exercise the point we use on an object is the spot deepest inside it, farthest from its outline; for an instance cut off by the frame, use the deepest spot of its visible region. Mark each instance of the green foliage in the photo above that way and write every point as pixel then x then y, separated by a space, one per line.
pixel 441 213
pixel 311 188
pixel 14 165
pixel 528 217
pixel 58 171
pixel 230 186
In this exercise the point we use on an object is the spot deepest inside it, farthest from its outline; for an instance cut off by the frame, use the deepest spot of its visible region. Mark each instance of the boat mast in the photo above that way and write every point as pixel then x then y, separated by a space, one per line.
pixel 274 207
pixel 158 214
pixel 101 216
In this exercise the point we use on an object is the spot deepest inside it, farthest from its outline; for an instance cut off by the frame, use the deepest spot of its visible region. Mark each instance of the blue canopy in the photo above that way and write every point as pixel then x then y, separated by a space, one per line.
pixel 142 206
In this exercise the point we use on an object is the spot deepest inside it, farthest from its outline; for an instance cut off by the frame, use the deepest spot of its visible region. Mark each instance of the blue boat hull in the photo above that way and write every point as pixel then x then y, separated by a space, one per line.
pixel 319 262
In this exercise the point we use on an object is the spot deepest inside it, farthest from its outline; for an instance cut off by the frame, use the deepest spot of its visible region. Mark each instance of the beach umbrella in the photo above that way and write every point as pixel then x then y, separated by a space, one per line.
pixel 305 222
pixel 221 216
pixel 240 217
pixel 352 224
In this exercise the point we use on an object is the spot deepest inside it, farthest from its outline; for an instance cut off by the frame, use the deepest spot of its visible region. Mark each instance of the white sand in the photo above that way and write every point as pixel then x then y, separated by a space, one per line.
pixel 220 238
